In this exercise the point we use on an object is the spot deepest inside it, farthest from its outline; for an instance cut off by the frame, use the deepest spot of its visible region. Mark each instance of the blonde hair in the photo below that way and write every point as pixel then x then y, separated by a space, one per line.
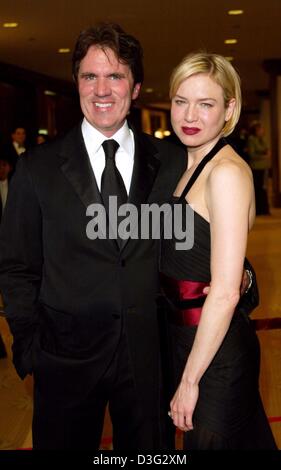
pixel 218 69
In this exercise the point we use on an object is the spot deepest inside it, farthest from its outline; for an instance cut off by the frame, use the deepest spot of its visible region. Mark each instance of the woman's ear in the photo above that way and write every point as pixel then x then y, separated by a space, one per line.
pixel 230 108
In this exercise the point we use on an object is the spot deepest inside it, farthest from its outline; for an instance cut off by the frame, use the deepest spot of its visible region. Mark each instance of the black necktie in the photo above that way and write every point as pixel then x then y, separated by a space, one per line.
pixel 112 183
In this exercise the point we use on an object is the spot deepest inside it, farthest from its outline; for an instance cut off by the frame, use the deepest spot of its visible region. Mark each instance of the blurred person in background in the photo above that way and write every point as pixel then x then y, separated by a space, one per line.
pixel 259 160
pixel 15 147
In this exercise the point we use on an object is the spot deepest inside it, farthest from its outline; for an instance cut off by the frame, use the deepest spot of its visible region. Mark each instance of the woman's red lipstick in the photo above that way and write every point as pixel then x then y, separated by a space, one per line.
pixel 190 130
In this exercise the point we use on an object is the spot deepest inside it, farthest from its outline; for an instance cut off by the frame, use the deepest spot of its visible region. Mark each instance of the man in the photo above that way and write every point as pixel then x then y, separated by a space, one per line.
pixel 83 312
pixel 16 146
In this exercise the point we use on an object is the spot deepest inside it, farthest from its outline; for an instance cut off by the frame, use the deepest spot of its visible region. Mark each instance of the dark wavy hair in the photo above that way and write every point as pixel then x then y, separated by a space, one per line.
pixel 110 36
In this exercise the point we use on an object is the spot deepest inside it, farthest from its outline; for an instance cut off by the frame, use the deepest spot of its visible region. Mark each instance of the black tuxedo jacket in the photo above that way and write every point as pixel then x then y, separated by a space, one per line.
pixel 1 207
pixel 10 152
pixel 68 298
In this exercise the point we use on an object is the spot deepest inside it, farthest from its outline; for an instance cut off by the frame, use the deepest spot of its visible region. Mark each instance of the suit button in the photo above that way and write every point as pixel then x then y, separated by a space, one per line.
pixel 116 316
pixel 122 263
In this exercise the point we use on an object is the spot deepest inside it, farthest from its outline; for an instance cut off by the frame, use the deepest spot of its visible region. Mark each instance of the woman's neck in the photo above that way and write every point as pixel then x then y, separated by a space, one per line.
pixel 196 154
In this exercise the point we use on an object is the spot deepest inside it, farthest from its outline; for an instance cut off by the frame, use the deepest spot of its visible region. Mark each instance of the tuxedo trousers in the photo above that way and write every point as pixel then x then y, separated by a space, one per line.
pixel 76 422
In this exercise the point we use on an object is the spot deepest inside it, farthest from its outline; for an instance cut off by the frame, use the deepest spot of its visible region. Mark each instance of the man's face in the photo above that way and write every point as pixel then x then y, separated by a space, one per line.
pixel 5 169
pixel 19 136
pixel 106 88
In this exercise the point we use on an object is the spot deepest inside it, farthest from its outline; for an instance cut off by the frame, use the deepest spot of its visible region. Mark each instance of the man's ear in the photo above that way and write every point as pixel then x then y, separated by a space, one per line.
pixel 136 91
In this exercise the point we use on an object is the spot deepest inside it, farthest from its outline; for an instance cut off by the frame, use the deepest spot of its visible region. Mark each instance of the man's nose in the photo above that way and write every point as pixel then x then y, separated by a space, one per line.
pixel 102 87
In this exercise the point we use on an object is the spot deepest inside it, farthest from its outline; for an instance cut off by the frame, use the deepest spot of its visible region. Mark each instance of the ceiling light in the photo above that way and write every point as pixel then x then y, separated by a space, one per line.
pixel 235 12
pixel 149 90
pixel 230 41
pixel 63 50
pixel 10 25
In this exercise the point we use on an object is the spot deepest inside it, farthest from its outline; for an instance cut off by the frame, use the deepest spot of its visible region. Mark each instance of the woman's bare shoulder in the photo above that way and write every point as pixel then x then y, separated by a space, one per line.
pixel 227 161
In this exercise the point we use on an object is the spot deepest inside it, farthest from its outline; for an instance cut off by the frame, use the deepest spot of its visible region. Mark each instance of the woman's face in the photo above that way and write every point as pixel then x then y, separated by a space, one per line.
pixel 198 112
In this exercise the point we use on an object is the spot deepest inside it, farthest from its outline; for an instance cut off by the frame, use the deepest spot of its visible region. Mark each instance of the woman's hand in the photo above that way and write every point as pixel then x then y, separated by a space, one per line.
pixel 183 405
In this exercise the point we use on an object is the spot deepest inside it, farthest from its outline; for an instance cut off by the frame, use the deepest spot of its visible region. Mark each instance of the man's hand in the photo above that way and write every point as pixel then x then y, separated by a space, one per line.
pixel 246 283
pixel 206 290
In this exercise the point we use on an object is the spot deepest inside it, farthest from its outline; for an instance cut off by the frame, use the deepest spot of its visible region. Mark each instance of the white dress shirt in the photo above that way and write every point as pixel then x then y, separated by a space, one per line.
pixel 19 148
pixel 124 156
pixel 3 192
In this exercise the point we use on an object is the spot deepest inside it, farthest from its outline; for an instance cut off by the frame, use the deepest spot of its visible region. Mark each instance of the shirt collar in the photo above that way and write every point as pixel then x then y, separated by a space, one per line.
pixel 94 139
pixel 17 145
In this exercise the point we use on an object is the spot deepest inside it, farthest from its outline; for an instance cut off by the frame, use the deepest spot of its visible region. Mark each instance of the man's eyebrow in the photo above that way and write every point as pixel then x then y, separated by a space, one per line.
pixel 82 74
pixel 120 74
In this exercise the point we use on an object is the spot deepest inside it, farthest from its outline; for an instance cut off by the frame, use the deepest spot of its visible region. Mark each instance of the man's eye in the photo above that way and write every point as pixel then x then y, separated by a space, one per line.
pixel 89 76
pixel 115 76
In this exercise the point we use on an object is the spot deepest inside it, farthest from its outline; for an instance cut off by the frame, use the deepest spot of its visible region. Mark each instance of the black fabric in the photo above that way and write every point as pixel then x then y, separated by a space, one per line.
pixel 249 301
pixel 249 436
pixel 229 400
pixel 194 264
pixel 191 264
pixel 112 183
pixel 1 208
pixel 219 145
pixel 3 352
pixel 135 421
pixel 229 413
pixel 69 298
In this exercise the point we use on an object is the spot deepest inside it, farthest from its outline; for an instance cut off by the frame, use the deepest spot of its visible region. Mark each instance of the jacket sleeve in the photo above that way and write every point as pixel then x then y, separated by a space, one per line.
pixel 250 300
pixel 21 263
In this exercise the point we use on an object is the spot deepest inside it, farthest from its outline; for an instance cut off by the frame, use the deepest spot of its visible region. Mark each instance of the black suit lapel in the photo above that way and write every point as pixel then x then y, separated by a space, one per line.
pixel 76 166
pixel 146 165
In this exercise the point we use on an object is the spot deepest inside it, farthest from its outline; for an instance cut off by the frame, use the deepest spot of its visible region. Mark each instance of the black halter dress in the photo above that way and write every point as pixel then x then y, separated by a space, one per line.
pixel 229 413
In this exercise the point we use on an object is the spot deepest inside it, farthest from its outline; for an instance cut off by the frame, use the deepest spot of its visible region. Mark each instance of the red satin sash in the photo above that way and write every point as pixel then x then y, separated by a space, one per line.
pixel 187 297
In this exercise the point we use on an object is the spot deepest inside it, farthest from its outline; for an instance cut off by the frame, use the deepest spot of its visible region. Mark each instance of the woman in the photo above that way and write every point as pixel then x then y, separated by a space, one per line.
pixel 216 350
